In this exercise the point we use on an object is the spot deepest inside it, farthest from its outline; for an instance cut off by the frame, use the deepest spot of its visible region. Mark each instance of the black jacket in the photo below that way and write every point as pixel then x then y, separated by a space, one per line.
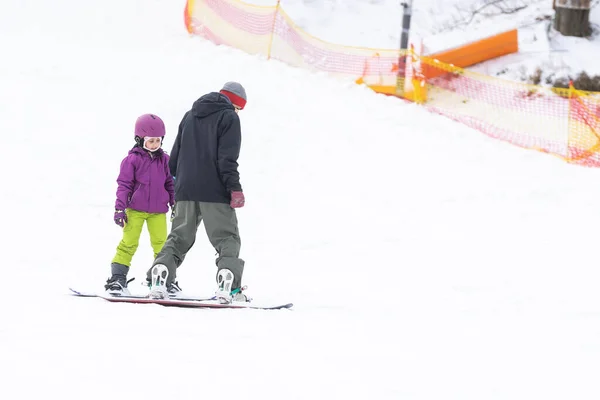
pixel 204 156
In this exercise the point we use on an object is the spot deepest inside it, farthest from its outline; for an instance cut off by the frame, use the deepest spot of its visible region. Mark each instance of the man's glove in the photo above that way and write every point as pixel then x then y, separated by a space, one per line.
pixel 120 218
pixel 237 199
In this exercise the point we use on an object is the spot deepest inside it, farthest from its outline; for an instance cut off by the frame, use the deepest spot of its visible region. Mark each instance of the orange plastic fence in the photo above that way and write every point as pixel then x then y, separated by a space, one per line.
pixel 269 31
pixel 563 122
pixel 584 128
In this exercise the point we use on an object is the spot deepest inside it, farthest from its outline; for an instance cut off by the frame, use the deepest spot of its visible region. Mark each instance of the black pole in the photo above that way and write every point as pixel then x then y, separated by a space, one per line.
pixel 406 14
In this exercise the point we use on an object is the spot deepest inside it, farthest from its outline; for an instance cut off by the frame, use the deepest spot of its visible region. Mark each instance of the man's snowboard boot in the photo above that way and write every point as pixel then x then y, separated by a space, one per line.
pixel 225 294
pixel 157 284
pixel 117 284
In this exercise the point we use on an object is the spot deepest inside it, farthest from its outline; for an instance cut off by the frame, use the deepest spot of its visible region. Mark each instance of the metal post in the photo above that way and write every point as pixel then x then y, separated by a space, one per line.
pixel 406 14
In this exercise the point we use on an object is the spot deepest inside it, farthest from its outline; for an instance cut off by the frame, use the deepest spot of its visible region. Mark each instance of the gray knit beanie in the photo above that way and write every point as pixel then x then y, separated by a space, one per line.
pixel 236 93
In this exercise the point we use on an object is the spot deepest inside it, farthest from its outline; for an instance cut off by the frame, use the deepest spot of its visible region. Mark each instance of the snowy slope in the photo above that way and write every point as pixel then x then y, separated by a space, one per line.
pixel 425 260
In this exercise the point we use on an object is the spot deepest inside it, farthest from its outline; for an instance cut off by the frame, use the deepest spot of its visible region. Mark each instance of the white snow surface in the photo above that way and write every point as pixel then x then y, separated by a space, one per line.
pixel 425 260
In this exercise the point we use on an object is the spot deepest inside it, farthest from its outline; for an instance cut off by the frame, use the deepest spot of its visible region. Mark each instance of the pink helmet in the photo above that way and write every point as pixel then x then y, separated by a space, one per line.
pixel 149 125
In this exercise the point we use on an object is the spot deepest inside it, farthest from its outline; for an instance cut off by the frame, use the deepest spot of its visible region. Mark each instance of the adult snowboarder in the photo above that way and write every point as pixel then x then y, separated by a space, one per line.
pixel 207 188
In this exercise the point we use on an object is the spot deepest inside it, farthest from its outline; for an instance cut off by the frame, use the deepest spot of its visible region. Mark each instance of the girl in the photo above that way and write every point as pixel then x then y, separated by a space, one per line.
pixel 145 192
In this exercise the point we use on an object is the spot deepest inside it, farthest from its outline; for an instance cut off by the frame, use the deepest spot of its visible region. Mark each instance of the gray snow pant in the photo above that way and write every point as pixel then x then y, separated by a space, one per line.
pixel 221 226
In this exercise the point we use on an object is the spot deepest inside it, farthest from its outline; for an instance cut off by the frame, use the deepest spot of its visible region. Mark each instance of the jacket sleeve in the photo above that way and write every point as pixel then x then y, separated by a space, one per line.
pixel 169 186
pixel 230 142
pixel 175 150
pixel 126 182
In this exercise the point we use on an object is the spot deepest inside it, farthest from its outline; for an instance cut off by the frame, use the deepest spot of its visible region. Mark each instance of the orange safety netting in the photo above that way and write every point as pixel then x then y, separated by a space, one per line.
pixel 563 122
pixel 584 128
pixel 269 31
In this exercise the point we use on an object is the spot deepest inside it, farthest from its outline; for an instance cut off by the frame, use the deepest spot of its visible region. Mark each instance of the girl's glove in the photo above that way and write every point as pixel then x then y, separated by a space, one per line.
pixel 120 218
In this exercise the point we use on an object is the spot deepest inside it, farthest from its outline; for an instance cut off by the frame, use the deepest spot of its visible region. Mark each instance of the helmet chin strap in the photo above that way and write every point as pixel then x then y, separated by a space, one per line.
pixel 151 151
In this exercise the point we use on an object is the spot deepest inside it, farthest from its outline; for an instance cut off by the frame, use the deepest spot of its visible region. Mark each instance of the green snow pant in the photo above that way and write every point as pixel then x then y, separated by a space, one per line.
pixel 157 228
pixel 220 222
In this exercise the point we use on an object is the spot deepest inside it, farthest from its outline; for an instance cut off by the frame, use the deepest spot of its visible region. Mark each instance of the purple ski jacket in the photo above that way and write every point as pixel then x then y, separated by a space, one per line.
pixel 145 182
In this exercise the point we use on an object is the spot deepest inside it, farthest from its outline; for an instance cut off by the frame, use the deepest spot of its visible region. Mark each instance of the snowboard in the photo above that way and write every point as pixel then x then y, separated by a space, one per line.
pixel 188 302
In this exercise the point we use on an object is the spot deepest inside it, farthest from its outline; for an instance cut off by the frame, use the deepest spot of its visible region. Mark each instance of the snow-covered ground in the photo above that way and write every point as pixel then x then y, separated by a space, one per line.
pixel 444 24
pixel 425 261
